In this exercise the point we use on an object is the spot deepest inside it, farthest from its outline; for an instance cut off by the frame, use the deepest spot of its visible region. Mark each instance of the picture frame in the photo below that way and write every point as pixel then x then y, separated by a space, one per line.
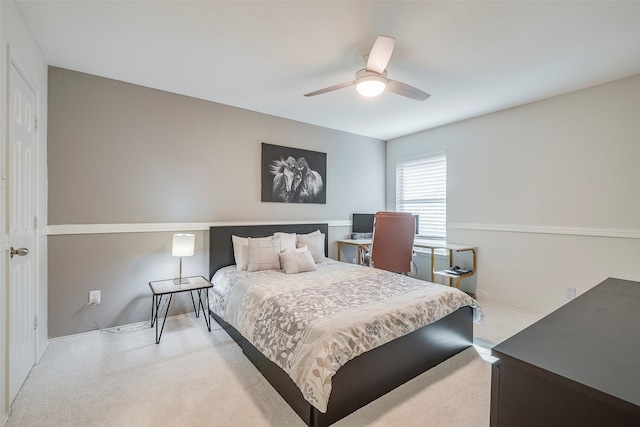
pixel 293 175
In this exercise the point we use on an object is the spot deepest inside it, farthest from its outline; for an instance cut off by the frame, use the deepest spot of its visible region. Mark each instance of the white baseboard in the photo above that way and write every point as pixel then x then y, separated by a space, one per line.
pixel 122 329
pixel 502 307
pixel 44 349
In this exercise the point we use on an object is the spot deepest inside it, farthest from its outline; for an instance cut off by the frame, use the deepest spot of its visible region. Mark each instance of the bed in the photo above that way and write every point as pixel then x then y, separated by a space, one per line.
pixel 362 378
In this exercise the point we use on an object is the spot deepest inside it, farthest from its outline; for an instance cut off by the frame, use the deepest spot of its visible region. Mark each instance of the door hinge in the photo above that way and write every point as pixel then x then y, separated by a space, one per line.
pixel 35 222
pixel 35 321
pixel 35 122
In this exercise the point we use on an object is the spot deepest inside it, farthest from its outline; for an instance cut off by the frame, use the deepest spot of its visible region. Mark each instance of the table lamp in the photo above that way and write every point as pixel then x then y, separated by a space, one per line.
pixel 183 245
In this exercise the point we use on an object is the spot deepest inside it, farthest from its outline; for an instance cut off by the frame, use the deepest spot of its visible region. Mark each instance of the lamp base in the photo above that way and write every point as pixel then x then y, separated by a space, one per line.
pixel 181 281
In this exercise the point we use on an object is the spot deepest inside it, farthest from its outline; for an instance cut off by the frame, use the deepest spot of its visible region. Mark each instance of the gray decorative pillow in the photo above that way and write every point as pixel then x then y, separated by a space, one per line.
pixel 297 262
pixel 264 254
pixel 315 242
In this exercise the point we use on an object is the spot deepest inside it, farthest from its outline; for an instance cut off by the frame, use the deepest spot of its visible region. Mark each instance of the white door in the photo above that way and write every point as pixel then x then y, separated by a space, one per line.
pixel 21 209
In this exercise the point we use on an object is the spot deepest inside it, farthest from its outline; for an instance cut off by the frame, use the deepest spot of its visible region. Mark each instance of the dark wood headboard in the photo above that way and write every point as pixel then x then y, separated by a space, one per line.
pixel 221 246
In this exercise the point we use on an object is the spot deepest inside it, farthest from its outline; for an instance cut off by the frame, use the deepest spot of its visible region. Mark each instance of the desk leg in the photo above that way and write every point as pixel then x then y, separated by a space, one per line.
pixel 457 282
pixel 339 250
pixel 451 265
pixel 433 267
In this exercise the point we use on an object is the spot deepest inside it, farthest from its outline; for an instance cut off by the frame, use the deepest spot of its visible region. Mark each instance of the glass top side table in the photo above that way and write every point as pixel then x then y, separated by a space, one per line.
pixel 166 288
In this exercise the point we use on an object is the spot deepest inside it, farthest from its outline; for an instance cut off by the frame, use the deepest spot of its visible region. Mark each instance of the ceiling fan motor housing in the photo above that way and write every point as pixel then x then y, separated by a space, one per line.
pixel 370 83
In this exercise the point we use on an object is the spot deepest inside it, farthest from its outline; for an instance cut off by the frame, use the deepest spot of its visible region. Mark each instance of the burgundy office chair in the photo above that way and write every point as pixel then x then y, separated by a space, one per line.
pixel 392 243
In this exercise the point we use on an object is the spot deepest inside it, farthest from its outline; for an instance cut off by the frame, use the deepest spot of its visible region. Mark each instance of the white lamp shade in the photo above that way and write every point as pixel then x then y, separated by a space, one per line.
pixel 183 244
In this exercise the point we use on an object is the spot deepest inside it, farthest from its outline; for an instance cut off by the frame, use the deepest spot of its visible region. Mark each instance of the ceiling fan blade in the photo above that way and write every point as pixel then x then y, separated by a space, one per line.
pixel 406 90
pixel 380 54
pixel 329 89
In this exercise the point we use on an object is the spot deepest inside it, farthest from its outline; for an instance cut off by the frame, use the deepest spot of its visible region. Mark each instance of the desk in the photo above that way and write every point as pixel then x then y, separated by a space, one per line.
pixel 578 366
pixel 432 246
pixel 354 242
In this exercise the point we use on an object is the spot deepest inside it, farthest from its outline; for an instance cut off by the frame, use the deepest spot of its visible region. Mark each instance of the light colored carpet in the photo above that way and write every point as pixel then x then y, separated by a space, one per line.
pixel 196 377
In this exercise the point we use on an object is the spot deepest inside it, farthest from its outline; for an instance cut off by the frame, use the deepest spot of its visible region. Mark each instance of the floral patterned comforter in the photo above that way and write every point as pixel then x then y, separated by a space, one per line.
pixel 310 324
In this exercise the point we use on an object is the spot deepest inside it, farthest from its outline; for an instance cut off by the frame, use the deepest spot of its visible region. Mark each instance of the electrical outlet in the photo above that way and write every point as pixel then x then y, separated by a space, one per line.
pixel 94 297
pixel 571 293
pixel 353 260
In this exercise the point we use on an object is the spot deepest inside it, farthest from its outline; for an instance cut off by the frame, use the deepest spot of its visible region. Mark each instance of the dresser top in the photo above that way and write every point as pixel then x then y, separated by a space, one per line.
pixel 594 340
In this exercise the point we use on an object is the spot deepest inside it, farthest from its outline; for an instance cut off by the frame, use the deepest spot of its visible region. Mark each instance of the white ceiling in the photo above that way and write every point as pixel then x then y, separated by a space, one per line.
pixel 473 57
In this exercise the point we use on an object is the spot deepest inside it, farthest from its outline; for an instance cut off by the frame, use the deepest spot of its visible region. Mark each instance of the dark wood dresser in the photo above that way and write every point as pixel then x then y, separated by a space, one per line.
pixel 578 366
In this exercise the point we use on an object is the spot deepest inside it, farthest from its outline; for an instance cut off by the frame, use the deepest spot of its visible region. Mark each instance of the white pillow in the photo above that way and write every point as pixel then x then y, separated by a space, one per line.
pixel 297 262
pixel 264 254
pixel 287 240
pixel 241 250
pixel 315 242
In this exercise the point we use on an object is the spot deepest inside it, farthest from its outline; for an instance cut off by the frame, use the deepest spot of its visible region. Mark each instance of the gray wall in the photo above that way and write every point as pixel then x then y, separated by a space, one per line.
pixel 121 154
pixel 547 191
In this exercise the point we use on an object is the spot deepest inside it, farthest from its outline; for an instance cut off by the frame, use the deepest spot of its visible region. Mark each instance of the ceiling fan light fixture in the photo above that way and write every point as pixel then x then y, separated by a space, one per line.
pixel 370 87
pixel 372 80
pixel 369 83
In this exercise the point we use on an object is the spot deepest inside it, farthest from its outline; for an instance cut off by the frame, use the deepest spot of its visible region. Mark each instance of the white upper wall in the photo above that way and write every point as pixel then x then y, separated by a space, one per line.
pixel 566 165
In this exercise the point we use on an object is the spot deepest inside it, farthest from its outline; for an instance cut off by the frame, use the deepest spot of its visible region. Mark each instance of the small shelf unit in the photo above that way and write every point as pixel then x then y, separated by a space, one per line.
pixel 450 247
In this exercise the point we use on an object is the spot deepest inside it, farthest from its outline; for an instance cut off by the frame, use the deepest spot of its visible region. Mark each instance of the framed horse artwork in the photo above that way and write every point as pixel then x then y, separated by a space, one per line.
pixel 293 175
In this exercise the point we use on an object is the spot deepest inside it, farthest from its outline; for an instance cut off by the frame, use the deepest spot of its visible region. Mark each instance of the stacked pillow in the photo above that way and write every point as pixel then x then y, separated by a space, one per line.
pixel 297 261
pixel 291 252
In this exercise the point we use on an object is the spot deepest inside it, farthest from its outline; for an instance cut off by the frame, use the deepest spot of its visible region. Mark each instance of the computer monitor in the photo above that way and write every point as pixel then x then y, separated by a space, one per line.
pixel 362 223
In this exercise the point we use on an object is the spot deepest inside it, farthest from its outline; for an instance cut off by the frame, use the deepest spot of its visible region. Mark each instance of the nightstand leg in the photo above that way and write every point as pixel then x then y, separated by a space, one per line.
pixel 208 310
pixel 196 309
pixel 165 317
pixel 153 304
pixel 207 318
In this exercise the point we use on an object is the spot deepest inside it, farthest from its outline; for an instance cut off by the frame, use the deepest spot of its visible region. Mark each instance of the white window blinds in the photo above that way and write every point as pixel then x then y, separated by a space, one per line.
pixel 421 188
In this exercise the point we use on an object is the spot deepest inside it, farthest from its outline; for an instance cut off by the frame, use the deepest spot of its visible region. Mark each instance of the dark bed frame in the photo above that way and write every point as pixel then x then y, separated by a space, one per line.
pixel 364 378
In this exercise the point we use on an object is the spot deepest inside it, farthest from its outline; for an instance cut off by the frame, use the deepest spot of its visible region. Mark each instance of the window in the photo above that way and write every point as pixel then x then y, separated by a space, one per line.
pixel 421 188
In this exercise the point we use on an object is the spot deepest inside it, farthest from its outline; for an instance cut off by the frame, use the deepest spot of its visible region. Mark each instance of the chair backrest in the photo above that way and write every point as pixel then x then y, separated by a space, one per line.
pixel 392 243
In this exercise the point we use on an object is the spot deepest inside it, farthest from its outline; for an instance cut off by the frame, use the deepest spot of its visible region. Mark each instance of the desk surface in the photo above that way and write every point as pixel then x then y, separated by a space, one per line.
pixel 434 244
pixel 355 241
pixel 418 243
pixel 592 340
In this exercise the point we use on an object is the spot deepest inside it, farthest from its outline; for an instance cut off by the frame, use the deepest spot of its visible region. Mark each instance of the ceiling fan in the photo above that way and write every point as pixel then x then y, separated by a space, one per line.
pixel 372 80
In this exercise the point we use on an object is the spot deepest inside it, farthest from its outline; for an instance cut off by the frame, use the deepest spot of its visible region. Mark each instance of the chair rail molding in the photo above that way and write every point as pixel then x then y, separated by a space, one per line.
pixel 68 229
pixel 539 229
